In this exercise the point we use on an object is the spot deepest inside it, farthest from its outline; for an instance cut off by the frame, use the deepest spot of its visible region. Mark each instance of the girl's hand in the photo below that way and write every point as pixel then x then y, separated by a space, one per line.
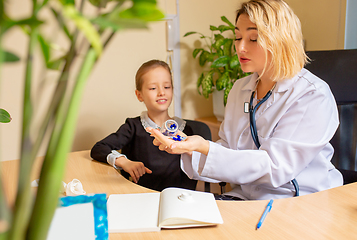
pixel 192 143
pixel 135 169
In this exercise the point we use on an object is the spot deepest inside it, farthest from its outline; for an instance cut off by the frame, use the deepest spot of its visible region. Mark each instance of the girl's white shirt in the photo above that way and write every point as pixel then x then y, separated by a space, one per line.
pixel 294 127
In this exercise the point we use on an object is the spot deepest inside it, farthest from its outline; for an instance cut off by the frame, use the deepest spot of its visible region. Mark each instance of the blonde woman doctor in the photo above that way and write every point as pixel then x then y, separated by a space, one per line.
pixel 274 140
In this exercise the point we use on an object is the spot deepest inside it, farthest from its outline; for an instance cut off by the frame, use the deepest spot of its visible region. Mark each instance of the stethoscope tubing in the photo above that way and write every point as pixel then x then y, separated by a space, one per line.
pixel 252 111
pixel 253 128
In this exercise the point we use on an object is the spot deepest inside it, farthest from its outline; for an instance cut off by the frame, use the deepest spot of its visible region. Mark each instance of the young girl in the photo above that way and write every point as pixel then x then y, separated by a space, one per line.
pixel 278 121
pixel 147 166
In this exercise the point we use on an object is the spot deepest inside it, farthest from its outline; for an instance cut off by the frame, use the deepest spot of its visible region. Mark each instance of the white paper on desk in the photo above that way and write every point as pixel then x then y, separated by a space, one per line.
pixel 133 212
pixel 72 223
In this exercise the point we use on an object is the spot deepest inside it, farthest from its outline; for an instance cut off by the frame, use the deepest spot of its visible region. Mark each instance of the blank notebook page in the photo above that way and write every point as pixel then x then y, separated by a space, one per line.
pixel 133 212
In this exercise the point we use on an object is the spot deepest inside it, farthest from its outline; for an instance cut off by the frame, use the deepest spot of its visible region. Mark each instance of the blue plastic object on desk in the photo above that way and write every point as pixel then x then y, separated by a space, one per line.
pixel 265 213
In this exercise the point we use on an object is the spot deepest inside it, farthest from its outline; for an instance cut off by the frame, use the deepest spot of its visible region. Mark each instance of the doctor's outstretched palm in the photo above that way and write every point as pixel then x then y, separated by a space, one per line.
pixel 192 143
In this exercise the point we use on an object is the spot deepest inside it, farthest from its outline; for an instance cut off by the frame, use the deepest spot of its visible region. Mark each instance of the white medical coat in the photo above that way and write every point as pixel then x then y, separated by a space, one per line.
pixel 294 127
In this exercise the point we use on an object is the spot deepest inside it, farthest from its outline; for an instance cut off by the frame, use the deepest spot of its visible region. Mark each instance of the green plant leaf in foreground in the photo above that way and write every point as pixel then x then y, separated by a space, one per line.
pixel 59 17
pixel 10 57
pixel 116 23
pixel 146 11
pixel 60 144
pixel 4 116
pixel 45 47
pixel 99 3
pixel 32 22
pixel 85 26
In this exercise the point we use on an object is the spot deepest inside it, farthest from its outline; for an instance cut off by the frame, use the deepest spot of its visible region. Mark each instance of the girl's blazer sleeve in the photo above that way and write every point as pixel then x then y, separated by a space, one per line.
pixel 298 139
pixel 114 141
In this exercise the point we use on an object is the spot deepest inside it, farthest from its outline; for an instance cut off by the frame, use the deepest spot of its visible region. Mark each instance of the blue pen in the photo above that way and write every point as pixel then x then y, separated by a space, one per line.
pixel 265 213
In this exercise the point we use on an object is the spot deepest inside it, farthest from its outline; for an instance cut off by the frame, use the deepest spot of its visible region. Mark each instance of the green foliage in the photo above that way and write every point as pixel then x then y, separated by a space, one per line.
pixel 4 116
pixel 85 26
pixel 10 57
pixel 222 67
pixel 143 10
pixel 30 217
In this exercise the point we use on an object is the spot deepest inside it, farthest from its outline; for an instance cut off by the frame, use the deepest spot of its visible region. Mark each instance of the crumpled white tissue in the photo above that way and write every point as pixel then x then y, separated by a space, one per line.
pixel 73 188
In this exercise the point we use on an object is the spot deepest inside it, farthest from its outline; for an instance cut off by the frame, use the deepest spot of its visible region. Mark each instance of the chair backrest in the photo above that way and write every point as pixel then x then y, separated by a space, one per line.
pixel 199 128
pixel 339 69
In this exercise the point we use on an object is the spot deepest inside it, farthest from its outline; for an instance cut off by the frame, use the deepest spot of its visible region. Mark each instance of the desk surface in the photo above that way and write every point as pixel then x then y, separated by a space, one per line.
pixel 330 214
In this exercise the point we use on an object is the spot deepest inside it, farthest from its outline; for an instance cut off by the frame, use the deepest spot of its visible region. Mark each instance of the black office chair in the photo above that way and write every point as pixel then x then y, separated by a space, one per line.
pixel 339 69
pixel 201 129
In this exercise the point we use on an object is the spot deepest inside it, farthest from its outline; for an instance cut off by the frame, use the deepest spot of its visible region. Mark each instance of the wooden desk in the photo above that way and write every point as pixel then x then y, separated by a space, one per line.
pixel 330 214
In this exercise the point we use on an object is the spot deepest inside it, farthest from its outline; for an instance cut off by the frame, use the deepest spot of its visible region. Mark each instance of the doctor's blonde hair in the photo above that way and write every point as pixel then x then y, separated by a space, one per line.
pixel 279 33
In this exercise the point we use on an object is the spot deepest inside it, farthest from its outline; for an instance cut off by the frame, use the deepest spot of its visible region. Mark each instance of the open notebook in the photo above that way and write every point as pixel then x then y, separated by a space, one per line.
pixel 172 208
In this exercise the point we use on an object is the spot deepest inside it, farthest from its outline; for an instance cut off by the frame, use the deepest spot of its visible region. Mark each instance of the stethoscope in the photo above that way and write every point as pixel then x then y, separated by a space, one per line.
pixel 253 127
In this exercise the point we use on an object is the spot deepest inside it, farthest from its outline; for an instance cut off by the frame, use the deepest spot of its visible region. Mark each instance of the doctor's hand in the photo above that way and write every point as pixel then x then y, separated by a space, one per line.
pixel 135 169
pixel 192 143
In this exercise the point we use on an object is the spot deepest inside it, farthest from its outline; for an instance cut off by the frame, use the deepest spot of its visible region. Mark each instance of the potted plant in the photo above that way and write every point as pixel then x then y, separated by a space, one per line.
pixel 219 59
pixel 29 217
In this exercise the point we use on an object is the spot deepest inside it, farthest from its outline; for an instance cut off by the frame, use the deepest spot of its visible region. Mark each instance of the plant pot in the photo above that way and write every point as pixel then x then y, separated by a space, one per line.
pixel 218 104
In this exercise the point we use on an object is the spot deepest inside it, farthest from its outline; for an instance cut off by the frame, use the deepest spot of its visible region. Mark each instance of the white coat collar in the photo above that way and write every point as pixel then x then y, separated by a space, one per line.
pixel 285 85
pixel 250 85
pixel 281 86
